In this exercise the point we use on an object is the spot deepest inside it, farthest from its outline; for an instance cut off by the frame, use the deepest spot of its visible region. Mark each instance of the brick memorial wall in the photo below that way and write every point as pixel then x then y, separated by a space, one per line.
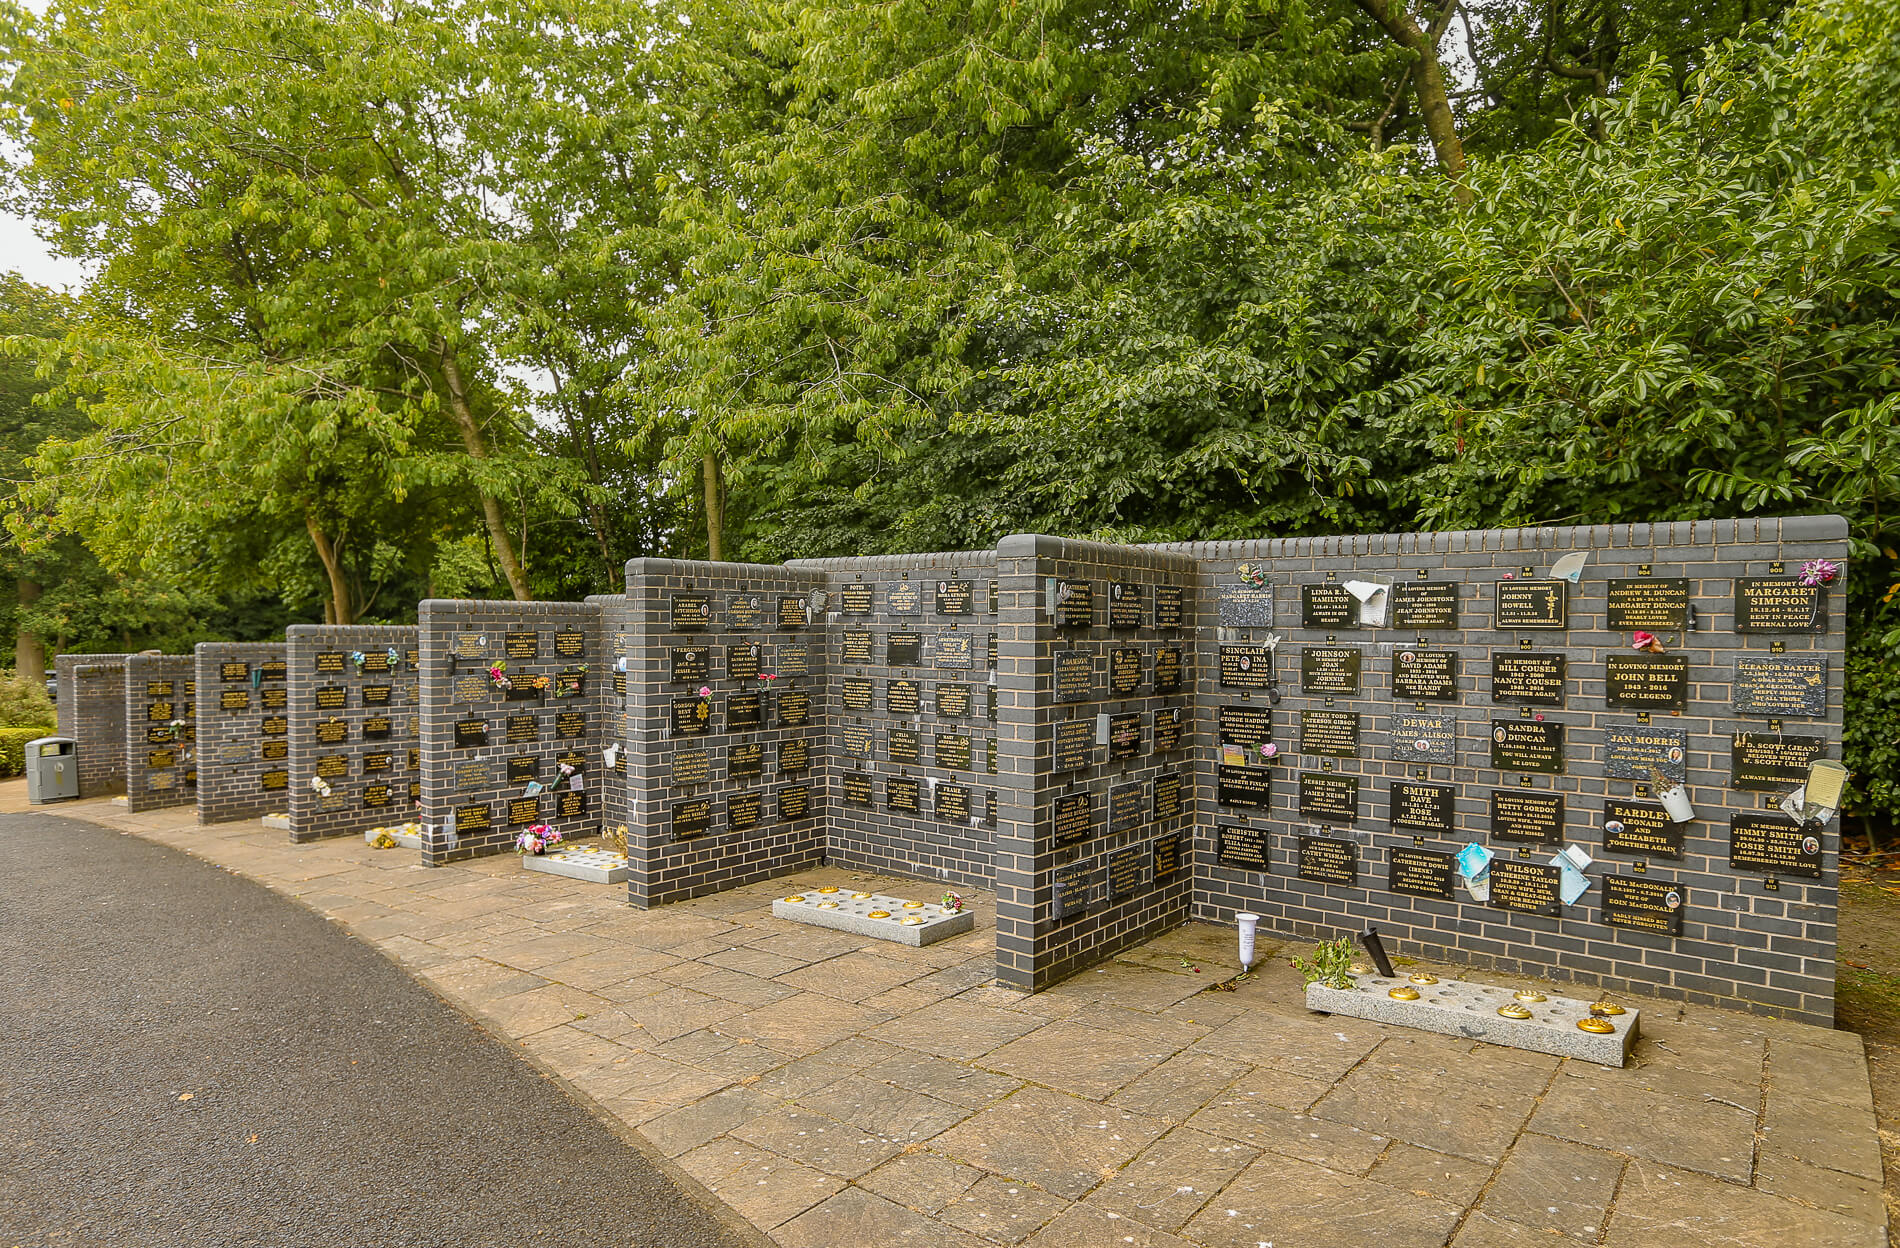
pixel 503 754
pixel 353 723
pixel 611 790
pixel 161 731
pixel 91 709
pixel 243 684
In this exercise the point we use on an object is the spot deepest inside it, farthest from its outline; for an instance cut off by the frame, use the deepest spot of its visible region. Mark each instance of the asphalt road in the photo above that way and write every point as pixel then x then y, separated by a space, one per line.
pixel 188 1059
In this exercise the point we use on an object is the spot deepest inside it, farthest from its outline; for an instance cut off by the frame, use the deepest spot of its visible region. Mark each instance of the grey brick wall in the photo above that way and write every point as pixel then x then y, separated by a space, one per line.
pixel 161 731
pixel 242 684
pixel 529 733
pixel 91 710
pixel 334 709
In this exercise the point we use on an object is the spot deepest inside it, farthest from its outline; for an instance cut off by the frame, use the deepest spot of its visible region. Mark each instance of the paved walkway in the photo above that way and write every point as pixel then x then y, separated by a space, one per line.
pixel 838 1091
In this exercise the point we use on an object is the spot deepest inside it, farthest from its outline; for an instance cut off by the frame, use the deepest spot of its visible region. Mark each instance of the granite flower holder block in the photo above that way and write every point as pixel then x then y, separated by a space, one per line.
pixel 1453 1007
pixel 596 866
pixel 873 914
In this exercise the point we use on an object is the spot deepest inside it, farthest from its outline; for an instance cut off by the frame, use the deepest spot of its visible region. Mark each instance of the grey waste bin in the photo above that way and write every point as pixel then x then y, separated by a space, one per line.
pixel 52 769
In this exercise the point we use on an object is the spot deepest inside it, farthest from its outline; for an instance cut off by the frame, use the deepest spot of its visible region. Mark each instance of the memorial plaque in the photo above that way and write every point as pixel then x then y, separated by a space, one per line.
pixel 271 750
pixel 1072 890
pixel 1645 904
pixel 742 661
pixel 273 781
pixel 690 611
pixel 1332 734
pixel 1425 605
pixel 1075 676
pixel 901 793
pixel 1168 613
pixel 952 701
pixel 378 762
pixel 273 669
pixel 1124 604
pixel 742 811
pixel 952 651
pixel 903 598
pixel 745 611
pixel 904 650
pixel 1168 725
pixel 794 756
pixel 470 733
pixel 1779 605
pixel 1127 871
pixel 332 662
pixel 1519 815
pixel 1168 855
pixel 233 673
pixel 1325 860
pixel 1633 751
pixel 570 644
pixel 1419 873
pixel 1127 807
pixel 378 695
pixel 989 755
pixel 469 646
pixel 570 683
pixel 620 683
pixel 233 754
pixel 857 739
pixel 471 687
pixel 273 726
pixel 856 599
pixel 792 611
pixel 904 745
pixel 794 708
pixel 856 647
pixel 953 803
pixel 1246 606
pixel 1646 682
pixel 471 776
pixel 1246 667
pixel 1526 887
pixel 902 697
pixel 234 699
pixel 1242 847
pixel 1167 797
pixel 1248 727
pixel 273 699
pixel 1328 606
pixel 523 811
pixel 1075 604
pixel 522 690
pixel 1168 670
pixel 1328 797
pixel 1074 743
pixel 1527 745
pixel 474 817
pixel 569 805
pixel 332 732
pixel 1640 828
pixel 1418 737
pixel 1424 807
pixel 1124 670
pixel 1658 603
pixel 155 759
pixel 744 711
pixel 1124 735
pixel 691 665
pixel 989 702
pixel 856 693
pixel 1074 818
pixel 569 725
pixel 956 598
pixel 857 789
pixel 691 717
pixel 794 803
pixel 377 727
pixel 523 768
pixel 989 652
pixel 375 662
pixel 332 698
pixel 952 751
pixel 1769 760
pixel 1530 679
pixel 1531 605
pixel 1425 676
pixel 521 645
pixel 692 817
pixel 1329 670
pixel 745 760
pixel 524 729
pixel 691 767
pixel 1781 686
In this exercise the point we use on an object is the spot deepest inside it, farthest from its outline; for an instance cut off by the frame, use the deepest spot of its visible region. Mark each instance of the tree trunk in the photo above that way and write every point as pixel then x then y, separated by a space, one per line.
pixel 29 653
pixel 1428 85
pixel 340 608
pixel 715 508
pixel 477 448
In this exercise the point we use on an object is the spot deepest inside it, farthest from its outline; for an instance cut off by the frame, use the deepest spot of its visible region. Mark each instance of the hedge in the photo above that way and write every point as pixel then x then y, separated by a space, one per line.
pixel 13 748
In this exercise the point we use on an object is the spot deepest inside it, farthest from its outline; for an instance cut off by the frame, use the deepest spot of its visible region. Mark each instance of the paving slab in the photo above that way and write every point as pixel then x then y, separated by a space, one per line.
pixel 1664 1207
pixel 1065 1145
pixel 1555 1186
pixel 1293 1204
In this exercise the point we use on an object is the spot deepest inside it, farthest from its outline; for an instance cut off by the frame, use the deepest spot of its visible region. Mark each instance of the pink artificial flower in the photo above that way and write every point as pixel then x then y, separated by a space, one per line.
pixel 705 692
pixel 1819 571
pixel 1646 641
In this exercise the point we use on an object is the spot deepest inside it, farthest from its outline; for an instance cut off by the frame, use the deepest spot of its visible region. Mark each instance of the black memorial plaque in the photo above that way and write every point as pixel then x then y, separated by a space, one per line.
pixel 691 767
pixel 1640 828
pixel 742 811
pixel 952 751
pixel 1251 787
pixel 1769 760
pixel 159 759
pixel 273 669
pixel 1072 890
pixel 1773 845
pixel 857 647
pixel 523 768
pixel 1520 815
pixel 1646 682
pixel 857 600
pixel 1526 887
pixel 523 811
pixel 1425 605
pixel 1424 807
pixel 903 697
pixel 332 732
pixel 570 644
pixel 904 745
pixel 1073 816
pixel 234 699
pixel 1074 604
pixel 1168 670
pixel 332 698
pixel 1074 743
pixel 1248 727
pixel 1527 745
pixel 523 730
pixel 1124 735
pixel 273 726
pixel 521 645
pixel 1529 679
pixel 232 673
pixel 375 662
pixel 1246 606
pixel 952 701
pixel 857 789
pixel 792 611
pixel 1124 604
pixel 692 717
pixel 1790 686
pixel 272 781
pixel 569 805
pixel 745 760
pixel 1328 606
pixel 691 665
pixel 1075 676
pixel 1647 602
pixel 953 803
pixel 1419 873
pixel 1425 676
pixel 1246 667
pixel 570 724
pixel 690 611
pixel 857 739
pixel 1779 605
pixel 1330 670
pixel 376 796
pixel 1418 737
pixel 951 652
pixel 1328 797
pixel 1645 904
pixel 1167 797
pixel 1169 721
pixel 1327 860
pixel 375 728
pixel 273 699
pixel 1124 670
pixel 1127 871
pixel 989 652
pixel 856 692
pixel 271 750
pixel 331 662
pixel 692 817
pixel 470 646
pixel 474 817
pixel 794 756
pixel 377 695
pixel 1167 856
pixel 956 598
pixel 903 598
pixel 1127 807
pixel 1633 751
pixel 1168 612
pixel 904 650
pixel 794 659
pixel 1332 734
pixel 1531 605
pixel 742 660
pixel 1242 847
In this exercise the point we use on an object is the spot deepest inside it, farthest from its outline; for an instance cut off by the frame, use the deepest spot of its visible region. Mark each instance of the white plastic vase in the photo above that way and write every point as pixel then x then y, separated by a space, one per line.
pixel 1249 924
pixel 1675 800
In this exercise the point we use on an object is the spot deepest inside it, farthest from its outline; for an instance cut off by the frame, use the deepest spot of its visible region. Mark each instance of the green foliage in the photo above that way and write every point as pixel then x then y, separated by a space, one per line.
pixel 13 748
pixel 24 702
pixel 1870 740
pixel 1331 964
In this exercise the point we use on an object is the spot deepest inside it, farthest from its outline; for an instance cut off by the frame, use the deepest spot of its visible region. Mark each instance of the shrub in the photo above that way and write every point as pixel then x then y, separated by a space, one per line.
pixel 1870 743
pixel 23 702
pixel 13 748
